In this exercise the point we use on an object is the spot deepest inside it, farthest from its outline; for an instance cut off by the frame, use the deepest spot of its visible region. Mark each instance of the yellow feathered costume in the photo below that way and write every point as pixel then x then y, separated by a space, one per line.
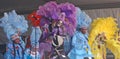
pixel 107 26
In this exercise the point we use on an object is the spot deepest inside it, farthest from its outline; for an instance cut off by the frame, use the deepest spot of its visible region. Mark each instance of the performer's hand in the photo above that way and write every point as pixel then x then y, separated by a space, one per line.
pixel 19 32
pixel 12 52
pixel 54 35
pixel 32 53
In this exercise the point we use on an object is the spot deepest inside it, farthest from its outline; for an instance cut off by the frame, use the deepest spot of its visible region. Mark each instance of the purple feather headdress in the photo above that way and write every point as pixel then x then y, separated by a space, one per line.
pixel 65 12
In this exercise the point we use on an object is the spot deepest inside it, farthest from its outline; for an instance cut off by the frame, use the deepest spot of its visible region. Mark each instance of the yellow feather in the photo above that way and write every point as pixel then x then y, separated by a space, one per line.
pixel 98 26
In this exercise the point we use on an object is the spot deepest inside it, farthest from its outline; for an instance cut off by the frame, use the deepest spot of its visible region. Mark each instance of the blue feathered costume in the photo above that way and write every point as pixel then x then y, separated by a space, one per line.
pixel 14 26
pixel 80 45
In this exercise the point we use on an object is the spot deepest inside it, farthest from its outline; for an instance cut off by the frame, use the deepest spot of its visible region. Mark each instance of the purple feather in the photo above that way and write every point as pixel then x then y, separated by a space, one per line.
pixel 70 11
pixel 53 11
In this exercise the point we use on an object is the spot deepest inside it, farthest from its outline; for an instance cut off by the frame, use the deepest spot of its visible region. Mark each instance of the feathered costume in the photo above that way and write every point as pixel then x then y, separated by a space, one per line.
pixel 116 45
pixel 49 12
pixel 53 15
pixel 35 35
pixel 102 34
pixel 65 12
pixel 80 45
pixel 14 26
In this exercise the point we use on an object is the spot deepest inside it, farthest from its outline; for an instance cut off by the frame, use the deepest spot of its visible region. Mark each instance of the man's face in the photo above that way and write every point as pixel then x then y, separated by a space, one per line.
pixel 53 23
pixel 59 23
pixel 17 41
pixel 119 39
pixel 83 30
